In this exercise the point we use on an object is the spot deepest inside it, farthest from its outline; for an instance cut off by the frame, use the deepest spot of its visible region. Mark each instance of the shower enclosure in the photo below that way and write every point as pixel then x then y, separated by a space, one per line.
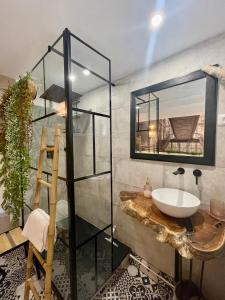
pixel 67 77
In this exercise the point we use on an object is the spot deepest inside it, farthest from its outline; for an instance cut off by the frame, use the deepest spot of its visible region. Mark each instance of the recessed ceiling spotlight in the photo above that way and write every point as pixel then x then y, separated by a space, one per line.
pixel 72 77
pixel 156 20
pixel 86 72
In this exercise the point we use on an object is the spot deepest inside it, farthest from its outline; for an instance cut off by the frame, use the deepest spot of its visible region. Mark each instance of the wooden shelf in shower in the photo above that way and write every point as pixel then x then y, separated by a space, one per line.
pixel 200 236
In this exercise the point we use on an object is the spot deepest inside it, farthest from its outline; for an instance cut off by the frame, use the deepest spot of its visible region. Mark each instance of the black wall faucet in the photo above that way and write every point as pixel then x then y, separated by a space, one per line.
pixel 197 173
pixel 179 171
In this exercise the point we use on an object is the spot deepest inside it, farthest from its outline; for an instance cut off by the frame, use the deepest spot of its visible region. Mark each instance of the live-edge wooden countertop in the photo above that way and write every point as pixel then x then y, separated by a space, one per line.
pixel 204 241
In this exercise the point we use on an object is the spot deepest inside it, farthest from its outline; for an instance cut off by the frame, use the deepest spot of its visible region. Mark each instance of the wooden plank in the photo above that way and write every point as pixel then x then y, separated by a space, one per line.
pixel 48 148
pixel 4 243
pixel 17 237
pixel 206 241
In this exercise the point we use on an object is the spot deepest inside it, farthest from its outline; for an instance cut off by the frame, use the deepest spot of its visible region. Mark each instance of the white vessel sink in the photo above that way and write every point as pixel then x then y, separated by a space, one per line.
pixel 175 203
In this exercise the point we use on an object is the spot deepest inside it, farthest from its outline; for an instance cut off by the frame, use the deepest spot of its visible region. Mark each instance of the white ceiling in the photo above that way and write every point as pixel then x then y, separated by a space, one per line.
pixel 118 28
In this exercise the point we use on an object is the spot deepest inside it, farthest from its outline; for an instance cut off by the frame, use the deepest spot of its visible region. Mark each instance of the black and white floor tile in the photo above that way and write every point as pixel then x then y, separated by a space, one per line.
pixel 12 276
pixel 39 284
pixel 123 285
pixel 61 270
pixel 12 273
pixel 137 286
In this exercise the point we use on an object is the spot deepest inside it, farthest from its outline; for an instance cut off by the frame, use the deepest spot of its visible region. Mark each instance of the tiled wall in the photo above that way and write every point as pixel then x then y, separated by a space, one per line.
pixel 131 174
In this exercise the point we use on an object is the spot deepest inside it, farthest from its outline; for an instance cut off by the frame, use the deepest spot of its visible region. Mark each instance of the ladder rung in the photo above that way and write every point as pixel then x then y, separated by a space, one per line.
pixel 33 289
pixel 39 257
pixel 41 181
pixel 49 149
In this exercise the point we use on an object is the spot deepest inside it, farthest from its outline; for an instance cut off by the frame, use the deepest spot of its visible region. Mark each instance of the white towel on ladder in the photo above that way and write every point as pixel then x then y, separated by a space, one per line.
pixel 36 229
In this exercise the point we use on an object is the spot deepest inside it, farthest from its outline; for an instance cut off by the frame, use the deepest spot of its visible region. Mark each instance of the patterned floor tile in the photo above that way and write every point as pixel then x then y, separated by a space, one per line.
pixel 123 286
pixel 12 276
pixel 12 272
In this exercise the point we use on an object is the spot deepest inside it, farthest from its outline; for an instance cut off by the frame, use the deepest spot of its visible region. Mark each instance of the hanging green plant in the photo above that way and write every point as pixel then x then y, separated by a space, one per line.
pixel 15 136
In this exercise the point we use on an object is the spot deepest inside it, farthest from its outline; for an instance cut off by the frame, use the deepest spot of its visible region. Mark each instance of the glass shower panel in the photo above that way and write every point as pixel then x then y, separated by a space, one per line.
pixel 91 124
pixel 83 144
pixel 89 71
pixel 54 83
pixel 87 238
pixel 61 269
pixel 61 265
pixel 83 90
pixel 35 142
pixel 48 123
pixel 29 197
pixel 61 249
pixel 38 109
pixel 102 144
pixel 94 265
pixel 104 258
pixel 93 204
pixel 87 58
pixel 86 270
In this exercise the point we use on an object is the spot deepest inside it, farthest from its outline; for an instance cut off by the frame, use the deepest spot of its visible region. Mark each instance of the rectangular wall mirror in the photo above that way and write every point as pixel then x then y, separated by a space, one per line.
pixel 175 120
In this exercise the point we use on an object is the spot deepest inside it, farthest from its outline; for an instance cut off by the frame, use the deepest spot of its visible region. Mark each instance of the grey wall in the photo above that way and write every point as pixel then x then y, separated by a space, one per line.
pixel 4 82
pixel 131 174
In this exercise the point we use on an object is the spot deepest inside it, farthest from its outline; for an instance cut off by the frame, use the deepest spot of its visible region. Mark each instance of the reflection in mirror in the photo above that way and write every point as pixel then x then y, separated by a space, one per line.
pixel 175 120
pixel 171 121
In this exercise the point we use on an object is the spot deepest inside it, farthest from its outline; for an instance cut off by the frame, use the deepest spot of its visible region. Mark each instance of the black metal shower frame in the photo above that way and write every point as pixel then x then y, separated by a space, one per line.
pixel 70 177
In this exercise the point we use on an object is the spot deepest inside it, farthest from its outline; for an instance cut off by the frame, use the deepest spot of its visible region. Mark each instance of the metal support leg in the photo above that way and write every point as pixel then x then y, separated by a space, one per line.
pixel 96 264
pixel 190 269
pixel 177 266
pixel 201 277
pixel 180 265
pixel 187 289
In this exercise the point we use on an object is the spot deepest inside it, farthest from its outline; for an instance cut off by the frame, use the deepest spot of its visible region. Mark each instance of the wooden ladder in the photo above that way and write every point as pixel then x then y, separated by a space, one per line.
pixel 46 264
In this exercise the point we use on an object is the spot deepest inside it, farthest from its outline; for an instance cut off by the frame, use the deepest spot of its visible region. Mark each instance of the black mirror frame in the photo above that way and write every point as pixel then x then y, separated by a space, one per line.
pixel 210 120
